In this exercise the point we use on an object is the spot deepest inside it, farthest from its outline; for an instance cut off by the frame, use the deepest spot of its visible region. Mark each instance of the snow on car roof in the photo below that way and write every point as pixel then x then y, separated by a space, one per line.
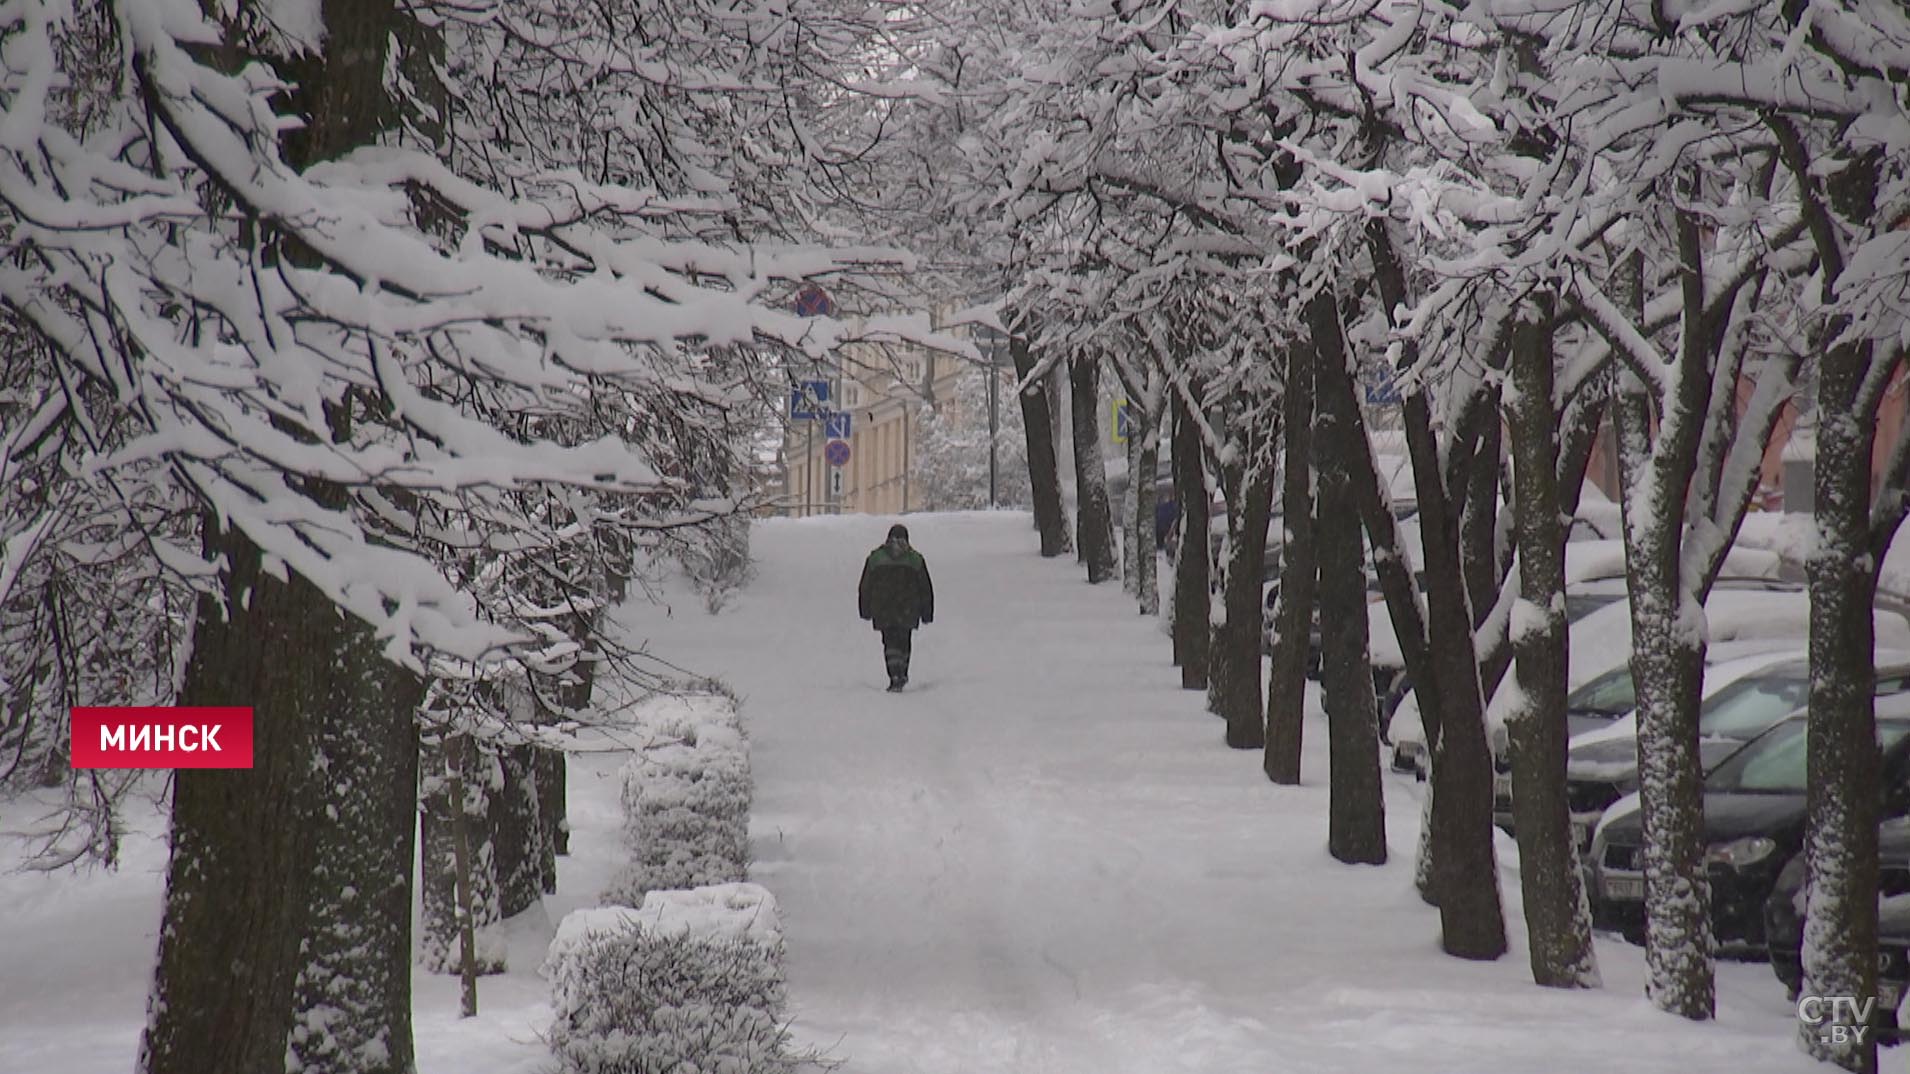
pixel 1587 561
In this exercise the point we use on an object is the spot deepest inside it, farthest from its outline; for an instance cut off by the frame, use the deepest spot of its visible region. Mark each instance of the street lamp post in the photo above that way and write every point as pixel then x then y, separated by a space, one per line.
pixel 993 346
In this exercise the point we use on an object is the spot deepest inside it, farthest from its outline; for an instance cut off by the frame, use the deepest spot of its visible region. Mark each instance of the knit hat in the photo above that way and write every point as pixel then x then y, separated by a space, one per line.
pixel 898 530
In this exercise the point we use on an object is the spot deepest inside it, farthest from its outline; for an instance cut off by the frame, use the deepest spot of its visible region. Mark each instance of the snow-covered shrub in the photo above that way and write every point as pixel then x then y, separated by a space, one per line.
pixel 716 558
pixel 690 983
pixel 686 799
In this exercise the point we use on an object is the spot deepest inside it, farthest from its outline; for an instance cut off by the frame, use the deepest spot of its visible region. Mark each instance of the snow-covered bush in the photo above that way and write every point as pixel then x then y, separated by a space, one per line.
pixel 717 561
pixel 686 799
pixel 690 983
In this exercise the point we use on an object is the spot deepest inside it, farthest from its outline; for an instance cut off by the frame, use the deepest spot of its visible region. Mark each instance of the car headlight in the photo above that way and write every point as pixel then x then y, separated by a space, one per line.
pixel 1739 853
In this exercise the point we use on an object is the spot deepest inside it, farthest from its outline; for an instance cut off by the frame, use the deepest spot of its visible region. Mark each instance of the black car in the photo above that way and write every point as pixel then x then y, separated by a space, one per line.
pixel 1784 924
pixel 1754 812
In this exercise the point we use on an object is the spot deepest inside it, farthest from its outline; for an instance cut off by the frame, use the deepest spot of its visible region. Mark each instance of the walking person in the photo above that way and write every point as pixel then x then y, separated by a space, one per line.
pixel 896 596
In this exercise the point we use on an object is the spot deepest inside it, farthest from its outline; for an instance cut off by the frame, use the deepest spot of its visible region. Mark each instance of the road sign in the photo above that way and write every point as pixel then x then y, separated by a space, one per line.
pixel 1380 389
pixel 809 400
pixel 835 483
pixel 1123 421
pixel 836 452
pixel 813 301
pixel 836 424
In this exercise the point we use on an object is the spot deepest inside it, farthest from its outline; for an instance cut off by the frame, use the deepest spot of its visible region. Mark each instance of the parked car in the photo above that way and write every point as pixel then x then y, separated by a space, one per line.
pixel 1784 925
pixel 1595 574
pixel 1602 766
pixel 1754 813
pixel 1602 641
pixel 1743 698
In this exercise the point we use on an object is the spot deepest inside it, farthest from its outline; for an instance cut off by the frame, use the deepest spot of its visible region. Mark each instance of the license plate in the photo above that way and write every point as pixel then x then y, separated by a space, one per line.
pixel 1890 994
pixel 1624 887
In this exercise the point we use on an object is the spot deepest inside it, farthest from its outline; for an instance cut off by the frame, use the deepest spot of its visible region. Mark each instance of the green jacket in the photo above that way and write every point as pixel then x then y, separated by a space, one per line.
pixel 895 591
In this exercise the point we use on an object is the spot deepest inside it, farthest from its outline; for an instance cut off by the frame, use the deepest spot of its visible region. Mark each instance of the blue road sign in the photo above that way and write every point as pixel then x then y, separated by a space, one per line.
pixel 1380 389
pixel 807 400
pixel 836 453
pixel 813 301
pixel 1123 421
pixel 835 424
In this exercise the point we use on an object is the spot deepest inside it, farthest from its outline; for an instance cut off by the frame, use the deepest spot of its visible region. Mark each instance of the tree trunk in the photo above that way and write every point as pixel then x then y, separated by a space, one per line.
pixel 1465 873
pixel 551 771
pixel 1131 528
pixel 1356 824
pixel 1090 472
pixel 1840 921
pixel 1191 592
pixel 1286 685
pixel 1147 427
pixel 1044 475
pixel 456 772
pixel 516 833
pixel 353 998
pixel 464 877
pixel 1481 549
pixel 1668 672
pixel 238 882
pixel 1656 462
pixel 1560 930
pixel 1233 690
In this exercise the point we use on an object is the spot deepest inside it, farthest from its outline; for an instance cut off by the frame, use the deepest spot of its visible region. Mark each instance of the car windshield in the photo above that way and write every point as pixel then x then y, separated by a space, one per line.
pixel 1746 707
pixel 1580 605
pixel 1610 694
pixel 1774 764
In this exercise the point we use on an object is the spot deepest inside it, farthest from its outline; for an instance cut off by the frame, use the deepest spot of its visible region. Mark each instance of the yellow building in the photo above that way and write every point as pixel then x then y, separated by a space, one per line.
pixel 878 388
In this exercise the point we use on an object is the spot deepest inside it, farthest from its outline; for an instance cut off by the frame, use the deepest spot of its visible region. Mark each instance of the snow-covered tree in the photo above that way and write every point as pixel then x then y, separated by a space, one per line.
pixel 341 357
pixel 951 465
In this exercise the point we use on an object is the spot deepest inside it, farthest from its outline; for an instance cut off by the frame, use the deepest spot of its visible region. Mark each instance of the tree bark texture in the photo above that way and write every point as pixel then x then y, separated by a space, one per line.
pixel 1356 818
pixel 1044 474
pixel 516 833
pixel 1557 919
pixel 353 998
pixel 1147 427
pixel 456 772
pixel 1465 872
pixel 1845 764
pixel 238 881
pixel 1233 688
pixel 1286 685
pixel 1191 594
pixel 1091 477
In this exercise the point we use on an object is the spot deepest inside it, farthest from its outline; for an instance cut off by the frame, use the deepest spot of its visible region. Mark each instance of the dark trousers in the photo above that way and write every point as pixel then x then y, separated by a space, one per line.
pixel 896 643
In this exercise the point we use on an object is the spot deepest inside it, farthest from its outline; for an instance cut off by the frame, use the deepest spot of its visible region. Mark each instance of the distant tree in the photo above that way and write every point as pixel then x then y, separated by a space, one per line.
pixel 950 464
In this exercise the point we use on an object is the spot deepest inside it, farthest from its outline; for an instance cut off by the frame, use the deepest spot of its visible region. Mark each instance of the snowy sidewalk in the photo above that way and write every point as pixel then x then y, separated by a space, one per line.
pixel 1041 858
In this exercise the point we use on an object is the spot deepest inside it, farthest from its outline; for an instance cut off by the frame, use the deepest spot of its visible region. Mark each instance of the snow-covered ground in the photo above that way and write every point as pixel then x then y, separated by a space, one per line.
pixel 1038 859
pixel 1041 858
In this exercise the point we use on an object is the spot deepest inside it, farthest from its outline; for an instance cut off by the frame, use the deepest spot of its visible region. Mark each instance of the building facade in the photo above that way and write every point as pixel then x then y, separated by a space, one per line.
pixel 880 389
